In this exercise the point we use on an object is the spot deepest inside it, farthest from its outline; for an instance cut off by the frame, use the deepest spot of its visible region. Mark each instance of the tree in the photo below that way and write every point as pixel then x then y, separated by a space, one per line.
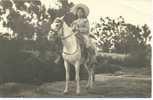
pixel 120 37
pixel 29 19
pixel 125 38
pixel 109 34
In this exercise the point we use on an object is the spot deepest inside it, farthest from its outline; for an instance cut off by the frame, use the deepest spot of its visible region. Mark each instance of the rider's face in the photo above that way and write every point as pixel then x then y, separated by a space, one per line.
pixel 80 13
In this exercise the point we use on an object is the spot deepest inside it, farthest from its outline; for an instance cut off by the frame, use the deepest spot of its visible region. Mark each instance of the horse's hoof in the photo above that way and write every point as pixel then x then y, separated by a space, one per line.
pixel 66 92
pixel 78 93
pixel 87 87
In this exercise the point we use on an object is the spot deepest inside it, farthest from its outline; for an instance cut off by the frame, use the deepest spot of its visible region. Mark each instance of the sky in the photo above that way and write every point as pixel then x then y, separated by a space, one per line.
pixel 134 11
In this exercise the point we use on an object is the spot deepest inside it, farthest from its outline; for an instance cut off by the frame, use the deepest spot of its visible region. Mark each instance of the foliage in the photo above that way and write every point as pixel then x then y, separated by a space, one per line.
pixel 27 55
pixel 120 37
pixel 29 23
pixel 117 36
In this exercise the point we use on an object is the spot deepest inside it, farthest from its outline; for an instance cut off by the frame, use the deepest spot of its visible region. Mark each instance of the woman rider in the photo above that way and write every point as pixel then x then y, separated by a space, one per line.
pixel 81 24
pixel 81 27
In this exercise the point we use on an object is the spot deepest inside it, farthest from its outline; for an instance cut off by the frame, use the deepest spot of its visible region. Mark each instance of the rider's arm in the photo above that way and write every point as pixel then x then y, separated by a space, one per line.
pixel 74 26
pixel 85 28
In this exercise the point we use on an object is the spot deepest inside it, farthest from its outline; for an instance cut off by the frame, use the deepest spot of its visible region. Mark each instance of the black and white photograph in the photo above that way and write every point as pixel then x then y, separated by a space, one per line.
pixel 75 48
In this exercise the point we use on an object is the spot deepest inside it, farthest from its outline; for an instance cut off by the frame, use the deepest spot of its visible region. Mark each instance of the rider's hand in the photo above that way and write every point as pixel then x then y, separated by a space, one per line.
pixel 76 29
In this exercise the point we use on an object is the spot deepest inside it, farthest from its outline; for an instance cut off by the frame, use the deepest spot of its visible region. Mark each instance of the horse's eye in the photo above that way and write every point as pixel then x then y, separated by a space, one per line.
pixel 57 25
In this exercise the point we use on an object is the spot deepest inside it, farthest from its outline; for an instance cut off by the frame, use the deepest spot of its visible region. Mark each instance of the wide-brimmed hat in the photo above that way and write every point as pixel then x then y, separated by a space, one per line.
pixel 83 6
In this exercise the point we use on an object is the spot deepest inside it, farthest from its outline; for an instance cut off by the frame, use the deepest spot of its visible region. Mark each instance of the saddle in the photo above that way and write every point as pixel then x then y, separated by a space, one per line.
pixel 85 52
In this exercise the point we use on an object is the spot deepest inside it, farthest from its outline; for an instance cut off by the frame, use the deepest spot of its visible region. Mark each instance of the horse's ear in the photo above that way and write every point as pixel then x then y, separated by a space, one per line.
pixel 62 17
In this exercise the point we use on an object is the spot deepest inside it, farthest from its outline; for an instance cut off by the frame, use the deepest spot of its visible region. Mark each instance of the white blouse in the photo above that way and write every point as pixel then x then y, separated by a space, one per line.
pixel 81 26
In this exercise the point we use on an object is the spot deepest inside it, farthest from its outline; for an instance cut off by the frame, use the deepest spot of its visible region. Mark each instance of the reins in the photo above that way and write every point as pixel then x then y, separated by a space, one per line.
pixel 63 38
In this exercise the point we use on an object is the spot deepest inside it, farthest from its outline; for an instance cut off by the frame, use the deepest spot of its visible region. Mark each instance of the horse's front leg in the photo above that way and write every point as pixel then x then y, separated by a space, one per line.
pixel 67 69
pixel 77 77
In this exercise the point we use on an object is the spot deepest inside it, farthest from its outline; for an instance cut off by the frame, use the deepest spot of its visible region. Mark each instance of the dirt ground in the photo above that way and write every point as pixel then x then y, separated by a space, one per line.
pixel 122 84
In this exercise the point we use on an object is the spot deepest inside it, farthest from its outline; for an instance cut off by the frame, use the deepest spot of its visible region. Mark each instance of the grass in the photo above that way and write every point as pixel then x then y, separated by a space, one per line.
pixel 106 85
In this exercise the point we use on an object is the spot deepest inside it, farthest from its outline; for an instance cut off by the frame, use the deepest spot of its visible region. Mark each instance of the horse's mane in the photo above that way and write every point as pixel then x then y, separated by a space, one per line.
pixel 66 28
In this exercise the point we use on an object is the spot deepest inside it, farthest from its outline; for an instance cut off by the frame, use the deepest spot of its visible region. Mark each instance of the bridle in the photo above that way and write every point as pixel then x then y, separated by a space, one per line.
pixel 66 37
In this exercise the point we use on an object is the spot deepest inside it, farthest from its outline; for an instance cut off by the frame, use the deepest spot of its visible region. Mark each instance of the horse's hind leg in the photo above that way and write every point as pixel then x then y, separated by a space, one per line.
pixel 67 69
pixel 88 83
pixel 91 77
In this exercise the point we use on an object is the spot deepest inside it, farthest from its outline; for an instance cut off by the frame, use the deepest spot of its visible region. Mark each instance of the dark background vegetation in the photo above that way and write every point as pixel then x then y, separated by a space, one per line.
pixel 28 56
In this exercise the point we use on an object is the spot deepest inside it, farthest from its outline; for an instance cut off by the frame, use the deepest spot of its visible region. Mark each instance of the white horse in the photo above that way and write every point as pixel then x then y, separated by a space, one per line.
pixel 72 54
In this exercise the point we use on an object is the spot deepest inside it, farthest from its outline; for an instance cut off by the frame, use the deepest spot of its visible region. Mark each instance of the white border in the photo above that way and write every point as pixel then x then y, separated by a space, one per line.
pixel 99 98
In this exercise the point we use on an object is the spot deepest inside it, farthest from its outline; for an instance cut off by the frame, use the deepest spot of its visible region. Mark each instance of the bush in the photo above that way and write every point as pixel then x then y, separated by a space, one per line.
pixel 20 66
pixel 139 59
pixel 107 63
pixel 112 58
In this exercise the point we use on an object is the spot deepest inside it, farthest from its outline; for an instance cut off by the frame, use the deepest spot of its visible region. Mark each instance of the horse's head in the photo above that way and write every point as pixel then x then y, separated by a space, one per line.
pixel 57 26
pixel 60 28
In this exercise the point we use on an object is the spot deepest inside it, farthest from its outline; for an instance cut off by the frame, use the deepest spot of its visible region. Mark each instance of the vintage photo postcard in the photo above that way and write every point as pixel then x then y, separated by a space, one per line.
pixel 75 48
